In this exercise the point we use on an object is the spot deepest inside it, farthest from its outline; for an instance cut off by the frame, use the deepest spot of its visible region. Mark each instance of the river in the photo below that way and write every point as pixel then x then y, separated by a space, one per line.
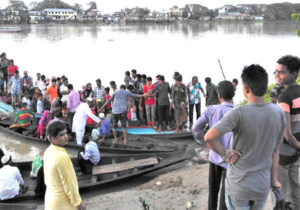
pixel 86 52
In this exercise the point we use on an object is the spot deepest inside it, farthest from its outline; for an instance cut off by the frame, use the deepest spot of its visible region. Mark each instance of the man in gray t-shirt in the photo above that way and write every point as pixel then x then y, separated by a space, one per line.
pixel 258 129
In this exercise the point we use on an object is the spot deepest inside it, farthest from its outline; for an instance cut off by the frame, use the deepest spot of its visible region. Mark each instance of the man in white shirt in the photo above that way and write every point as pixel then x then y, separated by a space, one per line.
pixel 10 179
pixel 83 111
pixel 89 157
pixel 64 91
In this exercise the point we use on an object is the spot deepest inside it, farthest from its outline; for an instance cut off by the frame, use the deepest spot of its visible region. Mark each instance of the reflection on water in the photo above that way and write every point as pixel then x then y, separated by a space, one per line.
pixel 21 150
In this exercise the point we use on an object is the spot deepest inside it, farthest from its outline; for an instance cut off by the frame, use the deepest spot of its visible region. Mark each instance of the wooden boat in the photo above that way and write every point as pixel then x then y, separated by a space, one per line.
pixel 138 146
pixel 137 143
pixel 111 169
pixel 10 30
pixel 151 132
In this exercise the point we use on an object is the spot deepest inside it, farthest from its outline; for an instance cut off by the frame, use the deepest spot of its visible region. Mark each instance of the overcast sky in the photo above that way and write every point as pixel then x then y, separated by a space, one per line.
pixel 115 5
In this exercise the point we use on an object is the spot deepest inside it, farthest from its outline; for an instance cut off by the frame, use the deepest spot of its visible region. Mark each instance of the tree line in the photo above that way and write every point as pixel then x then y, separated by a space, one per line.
pixel 278 11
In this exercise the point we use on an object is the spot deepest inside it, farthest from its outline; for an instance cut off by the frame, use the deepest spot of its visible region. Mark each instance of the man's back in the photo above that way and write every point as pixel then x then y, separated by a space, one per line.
pixel 256 130
pixel 10 180
pixel 211 94
pixel 119 99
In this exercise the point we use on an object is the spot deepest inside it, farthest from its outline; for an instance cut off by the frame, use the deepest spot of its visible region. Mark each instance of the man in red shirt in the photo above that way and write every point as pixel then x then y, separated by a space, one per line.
pixel 149 102
pixel 11 69
pixel 52 91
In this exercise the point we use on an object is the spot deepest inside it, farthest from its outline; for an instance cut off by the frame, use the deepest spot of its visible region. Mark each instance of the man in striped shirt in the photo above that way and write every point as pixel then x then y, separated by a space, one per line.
pixel 289 100
pixel 23 116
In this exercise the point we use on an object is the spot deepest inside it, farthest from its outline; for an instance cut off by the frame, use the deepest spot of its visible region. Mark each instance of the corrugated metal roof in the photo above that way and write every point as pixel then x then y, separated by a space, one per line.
pixel 57 10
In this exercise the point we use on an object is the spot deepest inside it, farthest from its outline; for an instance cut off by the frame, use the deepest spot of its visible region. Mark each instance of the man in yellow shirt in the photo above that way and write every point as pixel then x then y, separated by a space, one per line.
pixel 62 187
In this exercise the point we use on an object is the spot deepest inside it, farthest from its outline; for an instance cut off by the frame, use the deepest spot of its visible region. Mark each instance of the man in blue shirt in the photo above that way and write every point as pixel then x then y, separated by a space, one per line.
pixel 15 88
pixel 103 130
pixel 119 110
pixel 217 164
pixel 89 157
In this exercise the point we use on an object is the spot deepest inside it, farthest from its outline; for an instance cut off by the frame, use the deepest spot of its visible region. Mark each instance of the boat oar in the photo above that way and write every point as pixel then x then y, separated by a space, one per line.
pixel 221 69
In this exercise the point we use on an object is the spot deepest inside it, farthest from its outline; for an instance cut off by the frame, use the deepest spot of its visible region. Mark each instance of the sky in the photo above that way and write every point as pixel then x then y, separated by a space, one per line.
pixel 108 6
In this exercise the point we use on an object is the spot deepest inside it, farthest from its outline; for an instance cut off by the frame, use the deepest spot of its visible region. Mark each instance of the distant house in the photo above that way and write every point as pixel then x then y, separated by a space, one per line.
pixel 60 14
pixel 94 13
pixel 36 16
pixel 225 9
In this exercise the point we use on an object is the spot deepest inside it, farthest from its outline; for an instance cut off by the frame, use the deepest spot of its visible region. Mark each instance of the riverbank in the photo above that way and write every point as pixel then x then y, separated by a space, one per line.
pixel 170 191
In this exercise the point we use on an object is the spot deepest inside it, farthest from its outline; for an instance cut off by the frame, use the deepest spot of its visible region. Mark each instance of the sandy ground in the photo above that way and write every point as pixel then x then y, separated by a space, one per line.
pixel 170 191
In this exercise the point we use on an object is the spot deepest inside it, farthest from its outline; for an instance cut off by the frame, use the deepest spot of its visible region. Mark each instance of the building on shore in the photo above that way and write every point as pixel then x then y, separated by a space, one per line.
pixel 60 14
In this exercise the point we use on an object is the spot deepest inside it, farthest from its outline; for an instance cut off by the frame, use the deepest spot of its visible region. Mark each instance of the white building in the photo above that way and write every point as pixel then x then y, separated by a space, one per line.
pixel 60 14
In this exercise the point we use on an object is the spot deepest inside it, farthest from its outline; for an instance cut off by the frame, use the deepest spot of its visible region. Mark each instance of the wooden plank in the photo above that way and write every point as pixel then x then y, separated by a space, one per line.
pixel 124 166
pixel 14 206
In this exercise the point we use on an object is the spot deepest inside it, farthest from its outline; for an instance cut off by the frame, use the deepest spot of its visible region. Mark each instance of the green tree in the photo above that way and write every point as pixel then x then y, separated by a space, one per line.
pixel 78 8
pixel 51 4
pixel 141 12
pixel 21 8
pixel 296 17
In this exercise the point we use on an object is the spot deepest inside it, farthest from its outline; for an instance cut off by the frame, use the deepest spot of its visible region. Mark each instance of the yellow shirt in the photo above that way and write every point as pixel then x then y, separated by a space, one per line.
pixel 62 187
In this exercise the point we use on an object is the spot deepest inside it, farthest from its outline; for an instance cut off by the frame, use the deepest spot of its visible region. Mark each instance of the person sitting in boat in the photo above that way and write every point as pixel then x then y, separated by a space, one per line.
pixel 45 119
pixel 80 117
pixel 99 134
pixel 89 157
pixel 10 179
pixel 22 119
pixel 57 116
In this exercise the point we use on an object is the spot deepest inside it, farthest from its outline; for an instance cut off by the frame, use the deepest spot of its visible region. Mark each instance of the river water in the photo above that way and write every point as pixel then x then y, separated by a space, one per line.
pixel 86 52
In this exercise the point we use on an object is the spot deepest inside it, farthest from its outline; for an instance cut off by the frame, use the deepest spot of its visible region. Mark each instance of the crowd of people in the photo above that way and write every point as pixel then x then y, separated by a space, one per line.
pixel 139 101
pixel 254 147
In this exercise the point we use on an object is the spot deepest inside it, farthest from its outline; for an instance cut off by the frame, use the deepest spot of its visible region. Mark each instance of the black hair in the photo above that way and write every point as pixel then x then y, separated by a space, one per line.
pixel 98 80
pixel 70 86
pixel 208 80
pixel 144 76
pixel 11 61
pixel 157 76
pixel 292 63
pixel 123 87
pixel 17 72
pixel 235 81
pixel 255 78
pixel 57 114
pixel 149 78
pixel 113 84
pixel 226 90
pixel 178 78
pixel 139 76
pixel 43 77
pixel 127 73
pixel 107 89
pixel 133 71
pixel 162 78
pixel 58 79
pixel 176 73
pixel 65 79
pixel 85 139
pixel 53 80
pixel 130 87
pixel 54 128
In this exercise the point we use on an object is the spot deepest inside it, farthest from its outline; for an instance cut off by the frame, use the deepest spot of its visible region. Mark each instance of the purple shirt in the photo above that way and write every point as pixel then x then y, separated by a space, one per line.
pixel 73 101
pixel 212 115
pixel 105 128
